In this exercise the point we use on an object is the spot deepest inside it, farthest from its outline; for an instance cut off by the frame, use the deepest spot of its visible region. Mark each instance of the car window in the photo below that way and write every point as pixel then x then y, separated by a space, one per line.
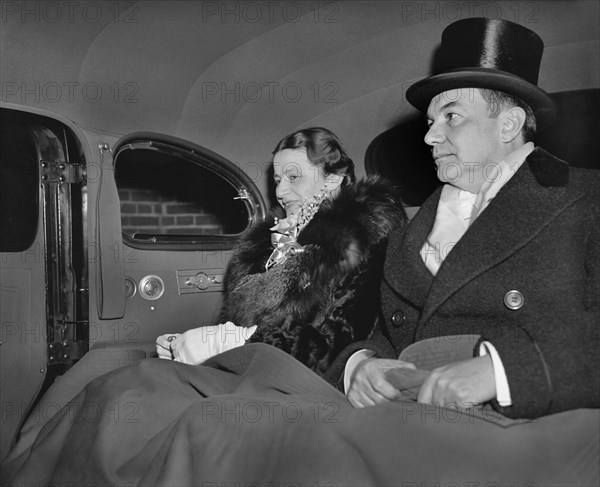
pixel 165 196
pixel 19 188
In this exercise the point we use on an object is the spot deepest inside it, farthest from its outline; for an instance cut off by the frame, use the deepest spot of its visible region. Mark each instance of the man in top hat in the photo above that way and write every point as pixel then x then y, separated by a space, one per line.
pixel 507 250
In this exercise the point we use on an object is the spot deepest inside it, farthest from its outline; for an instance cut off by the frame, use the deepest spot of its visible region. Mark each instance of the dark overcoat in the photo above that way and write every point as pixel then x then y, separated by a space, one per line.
pixel 525 277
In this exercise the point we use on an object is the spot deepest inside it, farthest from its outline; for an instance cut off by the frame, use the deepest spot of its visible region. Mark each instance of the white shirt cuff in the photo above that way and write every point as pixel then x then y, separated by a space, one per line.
pixel 502 389
pixel 351 364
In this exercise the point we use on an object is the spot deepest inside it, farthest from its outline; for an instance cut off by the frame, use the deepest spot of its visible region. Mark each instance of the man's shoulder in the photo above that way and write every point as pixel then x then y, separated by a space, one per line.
pixel 550 171
pixel 587 176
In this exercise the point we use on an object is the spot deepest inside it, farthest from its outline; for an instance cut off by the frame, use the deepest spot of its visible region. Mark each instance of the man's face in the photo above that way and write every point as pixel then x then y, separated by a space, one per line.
pixel 466 142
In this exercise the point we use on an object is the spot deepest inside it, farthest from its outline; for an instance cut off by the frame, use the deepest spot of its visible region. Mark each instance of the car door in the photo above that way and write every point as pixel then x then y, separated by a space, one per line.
pixel 167 214
pixel 105 244
pixel 42 269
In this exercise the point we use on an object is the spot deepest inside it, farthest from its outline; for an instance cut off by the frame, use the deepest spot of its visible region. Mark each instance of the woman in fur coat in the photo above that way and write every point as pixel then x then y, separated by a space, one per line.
pixel 306 280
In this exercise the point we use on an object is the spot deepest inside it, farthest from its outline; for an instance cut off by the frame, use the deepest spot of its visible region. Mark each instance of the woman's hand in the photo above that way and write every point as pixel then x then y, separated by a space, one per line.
pixel 163 345
pixel 199 344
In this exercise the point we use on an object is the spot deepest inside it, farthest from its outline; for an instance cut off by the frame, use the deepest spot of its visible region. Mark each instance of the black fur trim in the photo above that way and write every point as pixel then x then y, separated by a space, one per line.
pixel 547 169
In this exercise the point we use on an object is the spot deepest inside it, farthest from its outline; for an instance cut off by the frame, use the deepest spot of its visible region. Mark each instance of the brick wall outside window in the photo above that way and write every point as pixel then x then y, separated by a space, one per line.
pixel 148 211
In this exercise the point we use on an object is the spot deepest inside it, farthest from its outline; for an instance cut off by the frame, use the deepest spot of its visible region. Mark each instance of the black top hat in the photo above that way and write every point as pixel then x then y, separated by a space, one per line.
pixel 488 53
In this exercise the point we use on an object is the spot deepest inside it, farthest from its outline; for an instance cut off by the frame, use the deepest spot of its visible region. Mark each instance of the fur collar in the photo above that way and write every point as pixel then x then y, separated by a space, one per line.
pixel 358 217
pixel 344 229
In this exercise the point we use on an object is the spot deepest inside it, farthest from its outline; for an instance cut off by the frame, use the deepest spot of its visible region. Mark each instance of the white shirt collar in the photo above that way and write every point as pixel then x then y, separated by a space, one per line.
pixel 457 209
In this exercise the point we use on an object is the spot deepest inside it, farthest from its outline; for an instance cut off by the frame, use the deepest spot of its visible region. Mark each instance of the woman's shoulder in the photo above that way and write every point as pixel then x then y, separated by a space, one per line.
pixel 371 207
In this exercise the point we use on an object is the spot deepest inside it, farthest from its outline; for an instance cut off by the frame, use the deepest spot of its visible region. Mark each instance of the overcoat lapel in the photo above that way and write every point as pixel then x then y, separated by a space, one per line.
pixel 519 212
pixel 405 271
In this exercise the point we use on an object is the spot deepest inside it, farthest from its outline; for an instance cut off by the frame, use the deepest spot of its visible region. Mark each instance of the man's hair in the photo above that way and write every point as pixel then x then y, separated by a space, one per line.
pixel 498 100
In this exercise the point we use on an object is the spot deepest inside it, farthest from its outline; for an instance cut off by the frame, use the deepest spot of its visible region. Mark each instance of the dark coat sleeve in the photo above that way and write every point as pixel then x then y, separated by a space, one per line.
pixel 378 342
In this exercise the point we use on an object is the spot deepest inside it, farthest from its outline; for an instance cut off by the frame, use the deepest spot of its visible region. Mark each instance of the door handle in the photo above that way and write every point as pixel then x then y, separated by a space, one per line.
pixel 202 281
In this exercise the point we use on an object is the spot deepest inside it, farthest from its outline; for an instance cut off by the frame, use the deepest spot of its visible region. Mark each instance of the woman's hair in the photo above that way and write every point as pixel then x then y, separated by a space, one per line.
pixel 323 149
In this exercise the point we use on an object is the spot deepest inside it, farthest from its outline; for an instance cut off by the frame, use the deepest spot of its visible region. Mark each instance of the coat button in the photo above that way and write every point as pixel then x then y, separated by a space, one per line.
pixel 398 318
pixel 514 300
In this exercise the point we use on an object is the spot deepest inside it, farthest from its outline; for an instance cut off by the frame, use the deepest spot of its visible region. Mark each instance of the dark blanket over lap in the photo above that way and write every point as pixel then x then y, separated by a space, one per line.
pixel 255 415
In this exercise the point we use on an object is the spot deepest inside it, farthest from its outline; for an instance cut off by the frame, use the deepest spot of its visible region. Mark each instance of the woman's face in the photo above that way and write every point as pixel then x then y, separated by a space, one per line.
pixel 296 179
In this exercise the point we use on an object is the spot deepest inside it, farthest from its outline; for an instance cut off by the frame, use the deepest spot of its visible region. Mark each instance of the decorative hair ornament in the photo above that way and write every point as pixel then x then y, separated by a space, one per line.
pixel 286 230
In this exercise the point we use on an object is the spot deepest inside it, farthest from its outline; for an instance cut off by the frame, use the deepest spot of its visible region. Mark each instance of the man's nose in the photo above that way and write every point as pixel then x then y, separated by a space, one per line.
pixel 433 135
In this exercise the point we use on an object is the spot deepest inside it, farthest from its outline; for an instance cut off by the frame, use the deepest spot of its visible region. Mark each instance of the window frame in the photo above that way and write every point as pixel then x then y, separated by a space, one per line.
pixel 208 160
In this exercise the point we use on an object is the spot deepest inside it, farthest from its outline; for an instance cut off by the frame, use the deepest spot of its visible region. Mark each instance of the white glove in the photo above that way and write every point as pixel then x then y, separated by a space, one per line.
pixel 199 344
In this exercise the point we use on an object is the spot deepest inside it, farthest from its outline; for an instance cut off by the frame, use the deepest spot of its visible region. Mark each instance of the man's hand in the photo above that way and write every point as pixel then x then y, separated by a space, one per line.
pixel 369 386
pixel 461 384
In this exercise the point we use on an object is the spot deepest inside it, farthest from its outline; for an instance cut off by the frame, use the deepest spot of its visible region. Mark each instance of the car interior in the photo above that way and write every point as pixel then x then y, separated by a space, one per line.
pixel 135 152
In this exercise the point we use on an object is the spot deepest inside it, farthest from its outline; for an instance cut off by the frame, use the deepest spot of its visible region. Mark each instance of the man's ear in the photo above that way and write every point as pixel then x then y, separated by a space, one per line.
pixel 333 181
pixel 512 123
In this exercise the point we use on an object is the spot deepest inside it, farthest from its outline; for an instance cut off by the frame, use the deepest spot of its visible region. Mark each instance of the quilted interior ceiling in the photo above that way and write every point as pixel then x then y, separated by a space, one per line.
pixel 236 76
